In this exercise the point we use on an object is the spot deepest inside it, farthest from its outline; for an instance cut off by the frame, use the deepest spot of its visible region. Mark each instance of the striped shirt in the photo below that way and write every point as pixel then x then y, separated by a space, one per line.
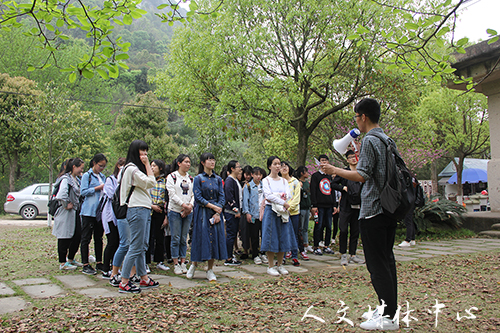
pixel 372 167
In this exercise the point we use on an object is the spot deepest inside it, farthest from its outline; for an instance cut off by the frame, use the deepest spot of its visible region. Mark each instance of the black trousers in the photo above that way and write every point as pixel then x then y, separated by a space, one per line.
pixel 349 220
pixel 253 230
pixel 156 239
pixel 91 227
pixel 377 234
pixel 112 245
pixel 68 247
pixel 410 226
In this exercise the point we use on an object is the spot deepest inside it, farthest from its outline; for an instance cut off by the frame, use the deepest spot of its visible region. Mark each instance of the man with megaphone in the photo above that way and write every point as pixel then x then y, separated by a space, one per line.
pixel 377 229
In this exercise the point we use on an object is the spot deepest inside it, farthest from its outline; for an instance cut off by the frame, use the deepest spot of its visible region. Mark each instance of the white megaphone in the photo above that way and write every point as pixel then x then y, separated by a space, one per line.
pixel 341 145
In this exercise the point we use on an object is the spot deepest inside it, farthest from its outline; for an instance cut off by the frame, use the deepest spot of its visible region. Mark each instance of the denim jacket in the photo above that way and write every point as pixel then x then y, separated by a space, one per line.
pixel 251 199
pixel 90 196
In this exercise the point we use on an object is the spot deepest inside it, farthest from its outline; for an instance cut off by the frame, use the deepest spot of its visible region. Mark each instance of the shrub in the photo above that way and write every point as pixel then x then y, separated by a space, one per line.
pixel 439 211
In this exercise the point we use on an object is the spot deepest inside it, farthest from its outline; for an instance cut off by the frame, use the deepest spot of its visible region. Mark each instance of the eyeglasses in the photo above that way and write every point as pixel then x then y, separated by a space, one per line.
pixel 356 116
pixel 101 166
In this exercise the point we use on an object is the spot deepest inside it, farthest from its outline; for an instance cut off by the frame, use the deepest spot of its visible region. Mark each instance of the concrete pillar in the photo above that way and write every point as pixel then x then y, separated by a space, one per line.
pixel 492 90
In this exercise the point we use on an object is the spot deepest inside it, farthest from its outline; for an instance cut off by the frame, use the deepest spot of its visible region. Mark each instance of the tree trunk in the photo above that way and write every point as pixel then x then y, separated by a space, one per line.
pixel 13 161
pixel 434 176
pixel 302 145
pixel 460 167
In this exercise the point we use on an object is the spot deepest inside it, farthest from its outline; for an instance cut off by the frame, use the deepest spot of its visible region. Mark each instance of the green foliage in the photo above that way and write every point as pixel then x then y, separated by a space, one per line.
pixel 148 123
pixel 439 211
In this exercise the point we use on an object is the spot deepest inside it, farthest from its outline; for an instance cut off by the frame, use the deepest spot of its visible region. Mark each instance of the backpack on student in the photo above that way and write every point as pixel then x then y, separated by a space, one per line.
pixel 419 196
pixel 121 210
pixel 397 195
pixel 54 203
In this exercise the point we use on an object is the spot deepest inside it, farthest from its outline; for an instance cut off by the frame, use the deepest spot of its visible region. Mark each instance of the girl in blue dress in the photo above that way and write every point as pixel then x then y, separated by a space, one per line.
pixel 209 240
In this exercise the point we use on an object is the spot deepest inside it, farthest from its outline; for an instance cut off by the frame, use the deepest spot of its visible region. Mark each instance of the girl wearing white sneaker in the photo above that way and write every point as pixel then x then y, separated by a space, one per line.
pixel 180 208
pixel 277 230
pixel 209 240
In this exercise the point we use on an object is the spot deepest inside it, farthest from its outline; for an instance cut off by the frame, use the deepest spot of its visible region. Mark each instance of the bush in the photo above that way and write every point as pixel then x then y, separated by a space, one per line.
pixel 439 211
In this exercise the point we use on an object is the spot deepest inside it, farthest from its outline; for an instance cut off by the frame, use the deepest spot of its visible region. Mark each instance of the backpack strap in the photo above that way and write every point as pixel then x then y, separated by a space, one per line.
pixel 132 188
pixel 386 143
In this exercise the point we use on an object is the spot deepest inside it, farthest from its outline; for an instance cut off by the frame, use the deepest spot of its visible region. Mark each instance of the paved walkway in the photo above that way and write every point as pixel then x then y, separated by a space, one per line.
pixel 94 286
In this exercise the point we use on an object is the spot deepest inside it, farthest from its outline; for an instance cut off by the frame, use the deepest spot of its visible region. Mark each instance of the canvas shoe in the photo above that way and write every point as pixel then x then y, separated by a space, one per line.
pixel 343 260
pixel 281 270
pixel 413 243
pixel 304 255
pixel 115 280
pixel 356 260
pixel 162 267
pixel 190 272
pixel 257 260
pixel 67 266
pixel 87 269
pixel 107 275
pixel 177 269
pixel 404 244
pixel 288 255
pixel 129 288
pixel 264 259
pixel 150 283
pixel 211 276
pixel 318 252
pixel 327 250
pixel 75 263
pixel 184 268
pixel 309 249
pixel 273 271
pixel 379 323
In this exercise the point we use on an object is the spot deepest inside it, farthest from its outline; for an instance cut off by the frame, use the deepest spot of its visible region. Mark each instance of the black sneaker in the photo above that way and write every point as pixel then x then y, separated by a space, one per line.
pixel 106 275
pixel 87 269
pixel 115 281
pixel 232 262
pixel 129 288
pixel 135 279
pixel 101 268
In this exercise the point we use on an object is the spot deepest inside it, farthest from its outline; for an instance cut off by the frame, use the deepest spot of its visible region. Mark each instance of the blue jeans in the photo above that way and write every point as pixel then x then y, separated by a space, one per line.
pixel 294 219
pixel 179 228
pixel 139 221
pixel 304 225
pixel 124 234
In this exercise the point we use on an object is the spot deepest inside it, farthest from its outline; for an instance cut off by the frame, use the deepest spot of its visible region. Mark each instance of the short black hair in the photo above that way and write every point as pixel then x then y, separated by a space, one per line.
pixel 370 108
pixel 349 153
pixel 323 156
pixel 247 170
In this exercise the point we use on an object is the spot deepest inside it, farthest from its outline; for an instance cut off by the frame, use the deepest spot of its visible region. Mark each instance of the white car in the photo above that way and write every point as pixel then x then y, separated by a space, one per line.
pixel 30 202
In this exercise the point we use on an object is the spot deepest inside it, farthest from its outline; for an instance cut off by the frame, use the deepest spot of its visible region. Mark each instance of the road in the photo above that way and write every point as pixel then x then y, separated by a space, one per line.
pixel 13 221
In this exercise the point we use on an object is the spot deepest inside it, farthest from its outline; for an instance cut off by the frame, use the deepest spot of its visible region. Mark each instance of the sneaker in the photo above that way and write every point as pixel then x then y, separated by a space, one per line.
pixel 321 244
pixel 135 279
pixel 304 255
pixel 162 267
pixel 356 260
pixel 295 262
pixel 309 249
pixel 190 272
pixel 284 261
pixel 115 280
pixel 76 263
pixel 257 260
pixel 318 252
pixel 129 288
pixel 413 243
pixel 148 284
pixel 101 268
pixel 177 269
pixel 67 266
pixel 327 250
pixel 211 276
pixel 380 324
pixel 370 314
pixel 333 241
pixel 147 269
pixel 264 259
pixel 288 255
pixel 170 261
pixel 106 275
pixel 232 262
pixel 184 268
pixel 91 259
pixel 405 244
pixel 87 269
pixel 273 271
pixel 281 270
pixel 343 260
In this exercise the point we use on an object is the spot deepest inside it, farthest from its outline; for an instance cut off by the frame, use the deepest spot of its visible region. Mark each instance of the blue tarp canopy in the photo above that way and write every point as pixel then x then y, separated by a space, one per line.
pixel 471 176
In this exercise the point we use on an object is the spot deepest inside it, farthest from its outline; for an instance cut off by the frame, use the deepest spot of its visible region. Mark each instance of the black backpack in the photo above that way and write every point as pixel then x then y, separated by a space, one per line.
pixel 54 203
pixel 397 196
pixel 121 210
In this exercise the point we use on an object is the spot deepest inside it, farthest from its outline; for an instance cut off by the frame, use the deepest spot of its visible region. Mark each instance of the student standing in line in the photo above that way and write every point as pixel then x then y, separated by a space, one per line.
pixel 180 208
pixel 138 173
pixel 277 231
pixel 209 241
pixel 232 209
pixel 294 211
pixel 91 191
pixel 305 206
pixel 67 226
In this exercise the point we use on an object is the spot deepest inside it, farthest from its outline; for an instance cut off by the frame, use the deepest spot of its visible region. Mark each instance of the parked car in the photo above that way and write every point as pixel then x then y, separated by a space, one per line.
pixel 29 202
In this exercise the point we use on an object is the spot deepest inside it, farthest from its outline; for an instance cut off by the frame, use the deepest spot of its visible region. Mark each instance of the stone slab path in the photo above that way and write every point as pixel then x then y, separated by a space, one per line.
pixel 16 295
